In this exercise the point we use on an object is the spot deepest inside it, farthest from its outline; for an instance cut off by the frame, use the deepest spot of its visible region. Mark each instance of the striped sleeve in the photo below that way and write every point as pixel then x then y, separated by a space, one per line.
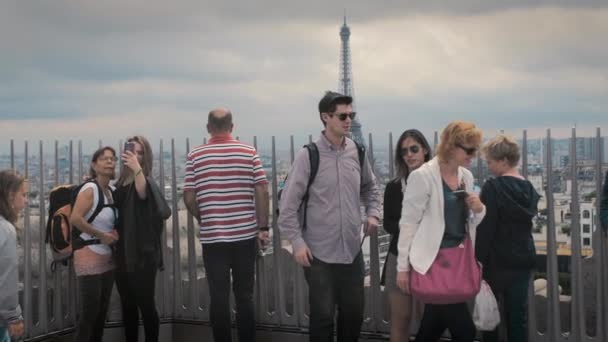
pixel 259 176
pixel 189 181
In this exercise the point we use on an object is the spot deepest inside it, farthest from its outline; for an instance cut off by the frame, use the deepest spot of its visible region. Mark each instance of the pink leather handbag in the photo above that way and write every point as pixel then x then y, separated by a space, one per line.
pixel 454 276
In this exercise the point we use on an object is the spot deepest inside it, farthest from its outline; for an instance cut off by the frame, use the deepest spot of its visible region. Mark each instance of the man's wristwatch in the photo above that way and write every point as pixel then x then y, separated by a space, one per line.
pixel 264 229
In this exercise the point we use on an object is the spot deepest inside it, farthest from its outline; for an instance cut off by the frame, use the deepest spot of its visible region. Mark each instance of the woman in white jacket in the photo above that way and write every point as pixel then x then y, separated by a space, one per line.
pixel 434 216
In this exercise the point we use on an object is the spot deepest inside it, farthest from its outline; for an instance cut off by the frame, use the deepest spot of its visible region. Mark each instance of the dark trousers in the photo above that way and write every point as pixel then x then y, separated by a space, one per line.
pixel 136 291
pixel 94 298
pixel 512 297
pixel 330 285
pixel 219 259
pixel 454 317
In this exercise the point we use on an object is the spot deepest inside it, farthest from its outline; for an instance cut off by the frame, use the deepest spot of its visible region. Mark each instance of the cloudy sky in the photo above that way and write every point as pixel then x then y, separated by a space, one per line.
pixel 108 69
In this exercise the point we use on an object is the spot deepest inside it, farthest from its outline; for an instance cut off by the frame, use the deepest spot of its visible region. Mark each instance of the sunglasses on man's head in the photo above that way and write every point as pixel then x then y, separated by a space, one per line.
pixel 468 150
pixel 412 149
pixel 343 116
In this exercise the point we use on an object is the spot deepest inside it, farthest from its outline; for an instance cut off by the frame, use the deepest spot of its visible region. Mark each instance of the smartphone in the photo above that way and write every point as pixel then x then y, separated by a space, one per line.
pixel 129 146
pixel 460 193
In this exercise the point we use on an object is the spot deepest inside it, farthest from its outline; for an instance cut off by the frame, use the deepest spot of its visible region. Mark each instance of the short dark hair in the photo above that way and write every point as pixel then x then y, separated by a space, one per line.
pixel 221 124
pixel 330 100
pixel 96 156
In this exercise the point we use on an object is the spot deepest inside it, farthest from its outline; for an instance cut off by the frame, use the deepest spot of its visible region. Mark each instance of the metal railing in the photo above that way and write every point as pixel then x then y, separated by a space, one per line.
pixel 49 300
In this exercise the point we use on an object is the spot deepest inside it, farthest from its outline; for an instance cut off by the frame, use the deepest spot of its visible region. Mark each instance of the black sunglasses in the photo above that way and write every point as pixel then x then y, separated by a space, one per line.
pixel 468 150
pixel 343 116
pixel 412 149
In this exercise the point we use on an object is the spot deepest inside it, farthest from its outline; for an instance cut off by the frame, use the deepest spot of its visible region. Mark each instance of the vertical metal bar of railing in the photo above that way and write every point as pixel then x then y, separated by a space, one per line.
pixel 553 308
pixel 435 142
pixel 255 142
pixel 599 249
pixel 192 276
pixel 12 154
pixel 27 249
pixel 165 296
pixel 42 284
pixel 309 138
pixel 391 161
pixel 524 155
pixel 291 149
pixel 178 305
pixel 532 328
pixel 299 282
pixel 279 279
pixel 480 175
pixel 80 162
pixel 70 315
pixel 374 262
pixel 577 316
pixel 57 290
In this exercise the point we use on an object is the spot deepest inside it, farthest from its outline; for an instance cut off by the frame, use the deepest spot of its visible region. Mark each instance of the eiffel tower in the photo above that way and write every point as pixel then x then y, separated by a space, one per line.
pixel 346 80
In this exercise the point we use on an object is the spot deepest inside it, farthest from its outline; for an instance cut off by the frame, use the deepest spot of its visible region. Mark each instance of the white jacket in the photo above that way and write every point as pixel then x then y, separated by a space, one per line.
pixel 422 221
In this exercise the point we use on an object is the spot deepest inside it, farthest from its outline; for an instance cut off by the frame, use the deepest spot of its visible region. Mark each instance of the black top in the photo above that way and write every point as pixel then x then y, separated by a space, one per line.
pixel 504 238
pixel 393 198
pixel 454 215
pixel 139 227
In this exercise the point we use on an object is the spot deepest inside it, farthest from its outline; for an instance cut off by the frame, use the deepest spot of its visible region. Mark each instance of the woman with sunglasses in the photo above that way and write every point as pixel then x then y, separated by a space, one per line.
pixel 139 251
pixel 93 262
pixel 411 152
pixel 435 216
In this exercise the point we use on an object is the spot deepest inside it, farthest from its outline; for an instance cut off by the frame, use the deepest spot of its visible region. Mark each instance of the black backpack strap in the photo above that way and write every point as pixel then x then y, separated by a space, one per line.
pixel 101 199
pixel 313 158
pixel 361 154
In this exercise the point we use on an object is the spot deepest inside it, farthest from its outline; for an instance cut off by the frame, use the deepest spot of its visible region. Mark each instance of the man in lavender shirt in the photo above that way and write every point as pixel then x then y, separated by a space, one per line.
pixel 329 247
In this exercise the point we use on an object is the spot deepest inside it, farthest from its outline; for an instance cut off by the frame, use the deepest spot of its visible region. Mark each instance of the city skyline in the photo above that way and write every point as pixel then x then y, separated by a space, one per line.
pixel 109 70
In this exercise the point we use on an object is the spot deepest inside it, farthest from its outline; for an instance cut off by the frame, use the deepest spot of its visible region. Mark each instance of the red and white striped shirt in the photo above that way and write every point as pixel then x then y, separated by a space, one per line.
pixel 223 174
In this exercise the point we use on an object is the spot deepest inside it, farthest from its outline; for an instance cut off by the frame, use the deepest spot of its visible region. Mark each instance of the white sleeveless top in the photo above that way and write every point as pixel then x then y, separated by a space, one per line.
pixel 105 220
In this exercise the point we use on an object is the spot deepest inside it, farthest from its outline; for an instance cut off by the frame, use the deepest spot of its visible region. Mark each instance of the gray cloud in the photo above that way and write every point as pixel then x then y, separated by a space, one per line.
pixel 157 67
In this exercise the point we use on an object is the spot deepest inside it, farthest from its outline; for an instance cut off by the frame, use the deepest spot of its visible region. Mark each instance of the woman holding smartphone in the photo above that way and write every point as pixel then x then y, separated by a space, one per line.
pixel 139 252
pixel 434 217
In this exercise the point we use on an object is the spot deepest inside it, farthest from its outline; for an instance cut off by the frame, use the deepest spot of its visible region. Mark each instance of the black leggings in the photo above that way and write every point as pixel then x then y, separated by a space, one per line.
pixel 94 293
pixel 136 291
pixel 454 317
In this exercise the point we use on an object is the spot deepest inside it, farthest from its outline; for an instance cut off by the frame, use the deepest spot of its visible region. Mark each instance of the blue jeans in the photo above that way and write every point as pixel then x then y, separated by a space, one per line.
pixel 330 285
pixel 4 335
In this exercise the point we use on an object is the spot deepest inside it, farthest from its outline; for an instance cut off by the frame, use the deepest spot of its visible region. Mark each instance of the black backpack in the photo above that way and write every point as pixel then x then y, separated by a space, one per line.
pixel 313 157
pixel 62 237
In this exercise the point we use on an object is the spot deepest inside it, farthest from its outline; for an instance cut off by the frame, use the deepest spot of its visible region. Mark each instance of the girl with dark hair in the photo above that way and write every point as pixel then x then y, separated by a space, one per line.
pixel 411 152
pixel 138 253
pixel 13 199
pixel 93 263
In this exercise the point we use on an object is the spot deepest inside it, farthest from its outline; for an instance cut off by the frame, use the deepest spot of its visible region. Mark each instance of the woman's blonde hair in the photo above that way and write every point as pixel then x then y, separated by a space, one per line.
pixel 458 133
pixel 502 147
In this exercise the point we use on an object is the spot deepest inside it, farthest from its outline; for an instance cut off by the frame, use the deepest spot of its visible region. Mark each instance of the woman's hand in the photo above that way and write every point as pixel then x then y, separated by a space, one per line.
pixel 109 238
pixel 130 160
pixel 474 203
pixel 403 281
pixel 16 329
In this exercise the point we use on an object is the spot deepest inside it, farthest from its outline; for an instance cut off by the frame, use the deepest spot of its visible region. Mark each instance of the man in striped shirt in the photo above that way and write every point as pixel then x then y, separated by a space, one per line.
pixel 227 192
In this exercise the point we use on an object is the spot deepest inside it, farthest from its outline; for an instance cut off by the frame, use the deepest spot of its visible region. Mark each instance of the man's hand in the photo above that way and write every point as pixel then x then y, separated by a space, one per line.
pixel 370 226
pixel 16 329
pixel 303 256
pixel 403 281
pixel 263 239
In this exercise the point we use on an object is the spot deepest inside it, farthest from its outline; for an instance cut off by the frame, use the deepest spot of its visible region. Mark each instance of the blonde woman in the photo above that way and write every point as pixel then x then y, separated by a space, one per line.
pixel 435 215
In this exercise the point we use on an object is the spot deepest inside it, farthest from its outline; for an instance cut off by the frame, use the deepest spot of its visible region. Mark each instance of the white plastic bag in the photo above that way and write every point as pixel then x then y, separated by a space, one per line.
pixel 486 315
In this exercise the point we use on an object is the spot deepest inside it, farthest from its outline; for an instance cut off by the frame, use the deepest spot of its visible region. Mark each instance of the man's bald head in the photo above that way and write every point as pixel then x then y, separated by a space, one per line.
pixel 220 121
